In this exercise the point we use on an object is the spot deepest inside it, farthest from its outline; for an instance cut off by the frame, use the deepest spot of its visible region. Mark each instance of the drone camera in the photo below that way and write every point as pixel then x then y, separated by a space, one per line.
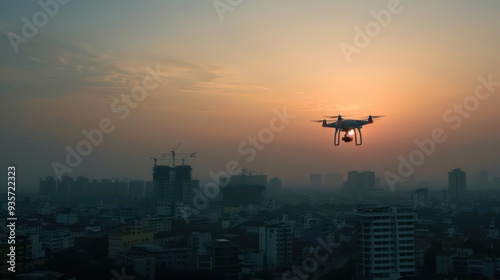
pixel 347 139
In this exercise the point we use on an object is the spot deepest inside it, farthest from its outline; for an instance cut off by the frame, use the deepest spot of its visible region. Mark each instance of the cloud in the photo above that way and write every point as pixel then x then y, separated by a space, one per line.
pixel 45 67
pixel 50 68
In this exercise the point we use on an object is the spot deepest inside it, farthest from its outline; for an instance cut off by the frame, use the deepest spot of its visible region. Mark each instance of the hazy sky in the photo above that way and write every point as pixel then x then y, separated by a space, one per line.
pixel 231 65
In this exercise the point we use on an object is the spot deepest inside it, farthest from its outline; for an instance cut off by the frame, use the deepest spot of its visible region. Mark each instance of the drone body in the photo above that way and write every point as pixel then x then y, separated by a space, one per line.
pixel 349 127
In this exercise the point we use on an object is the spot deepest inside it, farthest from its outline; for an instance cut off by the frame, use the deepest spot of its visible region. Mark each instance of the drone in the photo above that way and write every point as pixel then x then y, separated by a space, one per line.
pixel 349 127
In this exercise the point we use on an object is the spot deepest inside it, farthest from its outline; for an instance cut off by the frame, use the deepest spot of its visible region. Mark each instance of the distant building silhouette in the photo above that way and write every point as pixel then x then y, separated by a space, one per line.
pixel 358 181
pixel 420 197
pixel 275 183
pixel 107 188
pixel 48 186
pixel 245 188
pixel 456 184
pixel 78 190
pixel 63 187
pixel 386 242
pixel 93 191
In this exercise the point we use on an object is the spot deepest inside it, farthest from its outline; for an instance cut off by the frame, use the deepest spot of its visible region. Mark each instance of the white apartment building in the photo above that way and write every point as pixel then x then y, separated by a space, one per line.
pixel 276 241
pixel 386 242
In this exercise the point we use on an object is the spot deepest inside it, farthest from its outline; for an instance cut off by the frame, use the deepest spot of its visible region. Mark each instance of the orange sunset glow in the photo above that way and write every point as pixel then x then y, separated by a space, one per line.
pixel 225 73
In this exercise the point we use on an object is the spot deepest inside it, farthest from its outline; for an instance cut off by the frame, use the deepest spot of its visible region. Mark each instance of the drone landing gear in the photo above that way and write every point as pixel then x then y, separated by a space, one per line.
pixel 358 143
pixel 336 137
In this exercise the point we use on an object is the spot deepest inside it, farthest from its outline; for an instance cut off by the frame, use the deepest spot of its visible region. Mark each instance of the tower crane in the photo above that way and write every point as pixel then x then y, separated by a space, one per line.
pixel 173 154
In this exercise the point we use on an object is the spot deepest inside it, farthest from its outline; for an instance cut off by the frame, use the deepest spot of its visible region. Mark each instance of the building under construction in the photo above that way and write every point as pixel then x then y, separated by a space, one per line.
pixel 172 185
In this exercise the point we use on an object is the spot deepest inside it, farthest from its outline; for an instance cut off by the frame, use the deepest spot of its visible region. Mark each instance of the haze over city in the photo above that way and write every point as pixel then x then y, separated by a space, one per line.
pixel 229 69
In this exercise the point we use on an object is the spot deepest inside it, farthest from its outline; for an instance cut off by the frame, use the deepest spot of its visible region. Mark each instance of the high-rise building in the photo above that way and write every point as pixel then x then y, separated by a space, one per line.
pixel 63 188
pixel 162 183
pixel 369 180
pixel 354 181
pixel 79 189
pixel 172 184
pixel 457 184
pixel 225 256
pixel 276 240
pixel 386 242
pixel 48 186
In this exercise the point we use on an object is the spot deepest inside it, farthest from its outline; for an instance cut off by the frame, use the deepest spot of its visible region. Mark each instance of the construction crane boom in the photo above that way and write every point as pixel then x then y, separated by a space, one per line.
pixel 173 154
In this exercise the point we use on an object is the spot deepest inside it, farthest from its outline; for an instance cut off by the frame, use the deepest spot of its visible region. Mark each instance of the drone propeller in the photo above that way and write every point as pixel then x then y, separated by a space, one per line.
pixel 376 117
pixel 373 117
pixel 317 120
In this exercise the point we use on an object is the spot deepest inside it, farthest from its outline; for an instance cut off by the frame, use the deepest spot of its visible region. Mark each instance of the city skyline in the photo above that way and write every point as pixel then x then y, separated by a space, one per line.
pixel 353 182
pixel 216 79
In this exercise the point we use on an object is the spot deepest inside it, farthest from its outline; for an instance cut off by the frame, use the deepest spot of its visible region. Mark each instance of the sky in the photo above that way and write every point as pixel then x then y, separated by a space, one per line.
pixel 219 72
